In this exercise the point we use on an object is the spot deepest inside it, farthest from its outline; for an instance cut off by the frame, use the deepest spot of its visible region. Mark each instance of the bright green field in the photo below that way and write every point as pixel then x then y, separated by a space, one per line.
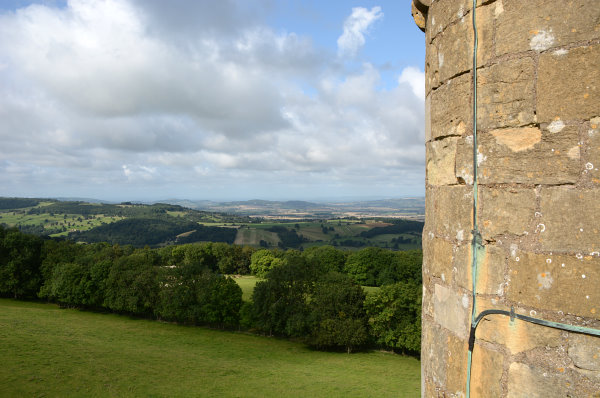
pixel 247 283
pixel 49 352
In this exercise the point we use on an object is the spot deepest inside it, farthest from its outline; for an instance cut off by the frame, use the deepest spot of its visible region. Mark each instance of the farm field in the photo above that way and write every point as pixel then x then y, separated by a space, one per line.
pixel 52 352
pixel 253 236
pixel 326 232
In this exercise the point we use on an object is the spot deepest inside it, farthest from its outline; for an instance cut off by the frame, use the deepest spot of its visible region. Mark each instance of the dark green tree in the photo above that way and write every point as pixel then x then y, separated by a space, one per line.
pixel 402 266
pixel 132 284
pixel 325 258
pixel 366 264
pixel 280 301
pixel 395 316
pixel 220 299
pixel 338 318
pixel 20 262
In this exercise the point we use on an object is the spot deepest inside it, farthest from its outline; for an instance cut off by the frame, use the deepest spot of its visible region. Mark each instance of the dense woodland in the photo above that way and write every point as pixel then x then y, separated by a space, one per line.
pixel 314 295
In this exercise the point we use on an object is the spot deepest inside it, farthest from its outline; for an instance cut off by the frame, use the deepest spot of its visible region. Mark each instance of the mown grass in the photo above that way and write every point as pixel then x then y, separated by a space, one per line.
pixel 52 352
pixel 247 283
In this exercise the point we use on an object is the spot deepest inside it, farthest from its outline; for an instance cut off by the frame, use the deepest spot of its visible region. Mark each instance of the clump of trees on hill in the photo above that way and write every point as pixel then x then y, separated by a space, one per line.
pixel 315 295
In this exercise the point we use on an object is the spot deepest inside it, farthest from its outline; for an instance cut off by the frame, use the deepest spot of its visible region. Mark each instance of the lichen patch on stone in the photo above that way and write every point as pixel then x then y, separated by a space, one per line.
pixel 573 152
pixel 541 41
pixel 556 126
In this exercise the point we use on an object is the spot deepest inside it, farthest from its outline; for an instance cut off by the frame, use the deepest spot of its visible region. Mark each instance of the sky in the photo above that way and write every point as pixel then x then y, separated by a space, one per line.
pixel 211 100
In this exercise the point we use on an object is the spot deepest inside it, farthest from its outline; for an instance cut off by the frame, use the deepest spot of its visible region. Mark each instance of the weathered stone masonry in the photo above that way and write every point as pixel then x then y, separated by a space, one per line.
pixel 539 196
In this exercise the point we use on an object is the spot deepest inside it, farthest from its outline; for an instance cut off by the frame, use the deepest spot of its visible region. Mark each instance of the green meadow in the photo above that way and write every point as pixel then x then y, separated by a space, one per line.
pixel 247 283
pixel 51 352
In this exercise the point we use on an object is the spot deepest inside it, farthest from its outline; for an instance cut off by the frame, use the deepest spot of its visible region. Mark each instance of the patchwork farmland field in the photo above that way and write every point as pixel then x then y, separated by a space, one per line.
pixel 163 224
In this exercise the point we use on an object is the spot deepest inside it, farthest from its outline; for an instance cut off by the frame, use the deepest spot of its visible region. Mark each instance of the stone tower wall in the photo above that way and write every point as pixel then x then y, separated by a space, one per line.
pixel 538 136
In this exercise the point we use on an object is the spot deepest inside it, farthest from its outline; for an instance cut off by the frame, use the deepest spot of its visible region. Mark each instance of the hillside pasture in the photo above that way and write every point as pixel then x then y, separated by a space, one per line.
pixel 252 237
pixel 52 352
pixel 55 221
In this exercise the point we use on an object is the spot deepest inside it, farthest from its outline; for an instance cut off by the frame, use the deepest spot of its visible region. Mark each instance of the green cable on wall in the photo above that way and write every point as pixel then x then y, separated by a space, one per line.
pixel 477 248
pixel 476 241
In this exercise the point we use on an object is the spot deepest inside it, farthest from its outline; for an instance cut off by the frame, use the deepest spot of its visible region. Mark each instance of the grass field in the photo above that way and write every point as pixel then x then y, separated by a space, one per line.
pixel 247 283
pixel 52 352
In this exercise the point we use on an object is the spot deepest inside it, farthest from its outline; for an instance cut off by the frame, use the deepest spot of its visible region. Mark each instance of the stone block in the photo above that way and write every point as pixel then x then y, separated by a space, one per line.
pixel 464 159
pixel 442 13
pixel 486 373
pixel 526 381
pixel 490 273
pixel 556 282
pixel 505 94
pixel 456 351
pixel 592 150
pixel 452 310
pixel 432 70
pixel 433 342
pixel 451 52
pixel 432 391
pixel 526 155
pixel 449 211
pixel 450 109
pixel 522 155
pixel 541 25
pixel 584 351
pixel 518 336
pixel 505 211
pixel 437 259
pixel 428 118
pixel 490 303
pixel 427 300
pixel 572 213
pixel 441 157
pixel 568 85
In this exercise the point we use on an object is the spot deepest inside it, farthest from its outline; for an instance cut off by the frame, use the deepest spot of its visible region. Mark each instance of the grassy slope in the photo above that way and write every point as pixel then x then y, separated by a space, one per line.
pixel 254 236
pixel 51 352
pixel 12 218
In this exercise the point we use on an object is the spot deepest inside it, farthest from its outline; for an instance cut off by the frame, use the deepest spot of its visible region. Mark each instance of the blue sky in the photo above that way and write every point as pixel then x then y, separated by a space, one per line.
pixel 228 100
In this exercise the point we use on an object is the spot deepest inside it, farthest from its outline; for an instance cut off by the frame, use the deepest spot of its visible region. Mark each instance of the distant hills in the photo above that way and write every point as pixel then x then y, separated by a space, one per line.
pixel 407 208
pixel 392 223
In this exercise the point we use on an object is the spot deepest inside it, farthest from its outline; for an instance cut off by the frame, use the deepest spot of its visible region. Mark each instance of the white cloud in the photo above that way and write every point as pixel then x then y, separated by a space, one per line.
pixel 113 98
pixel 355 28
pixel 415 79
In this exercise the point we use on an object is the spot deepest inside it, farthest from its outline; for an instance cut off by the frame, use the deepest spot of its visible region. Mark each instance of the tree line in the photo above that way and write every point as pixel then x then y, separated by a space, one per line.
pixel 314 295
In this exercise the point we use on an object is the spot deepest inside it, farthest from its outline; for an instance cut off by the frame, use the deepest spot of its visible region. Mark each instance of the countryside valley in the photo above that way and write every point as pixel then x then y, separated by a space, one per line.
pixel 327 284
